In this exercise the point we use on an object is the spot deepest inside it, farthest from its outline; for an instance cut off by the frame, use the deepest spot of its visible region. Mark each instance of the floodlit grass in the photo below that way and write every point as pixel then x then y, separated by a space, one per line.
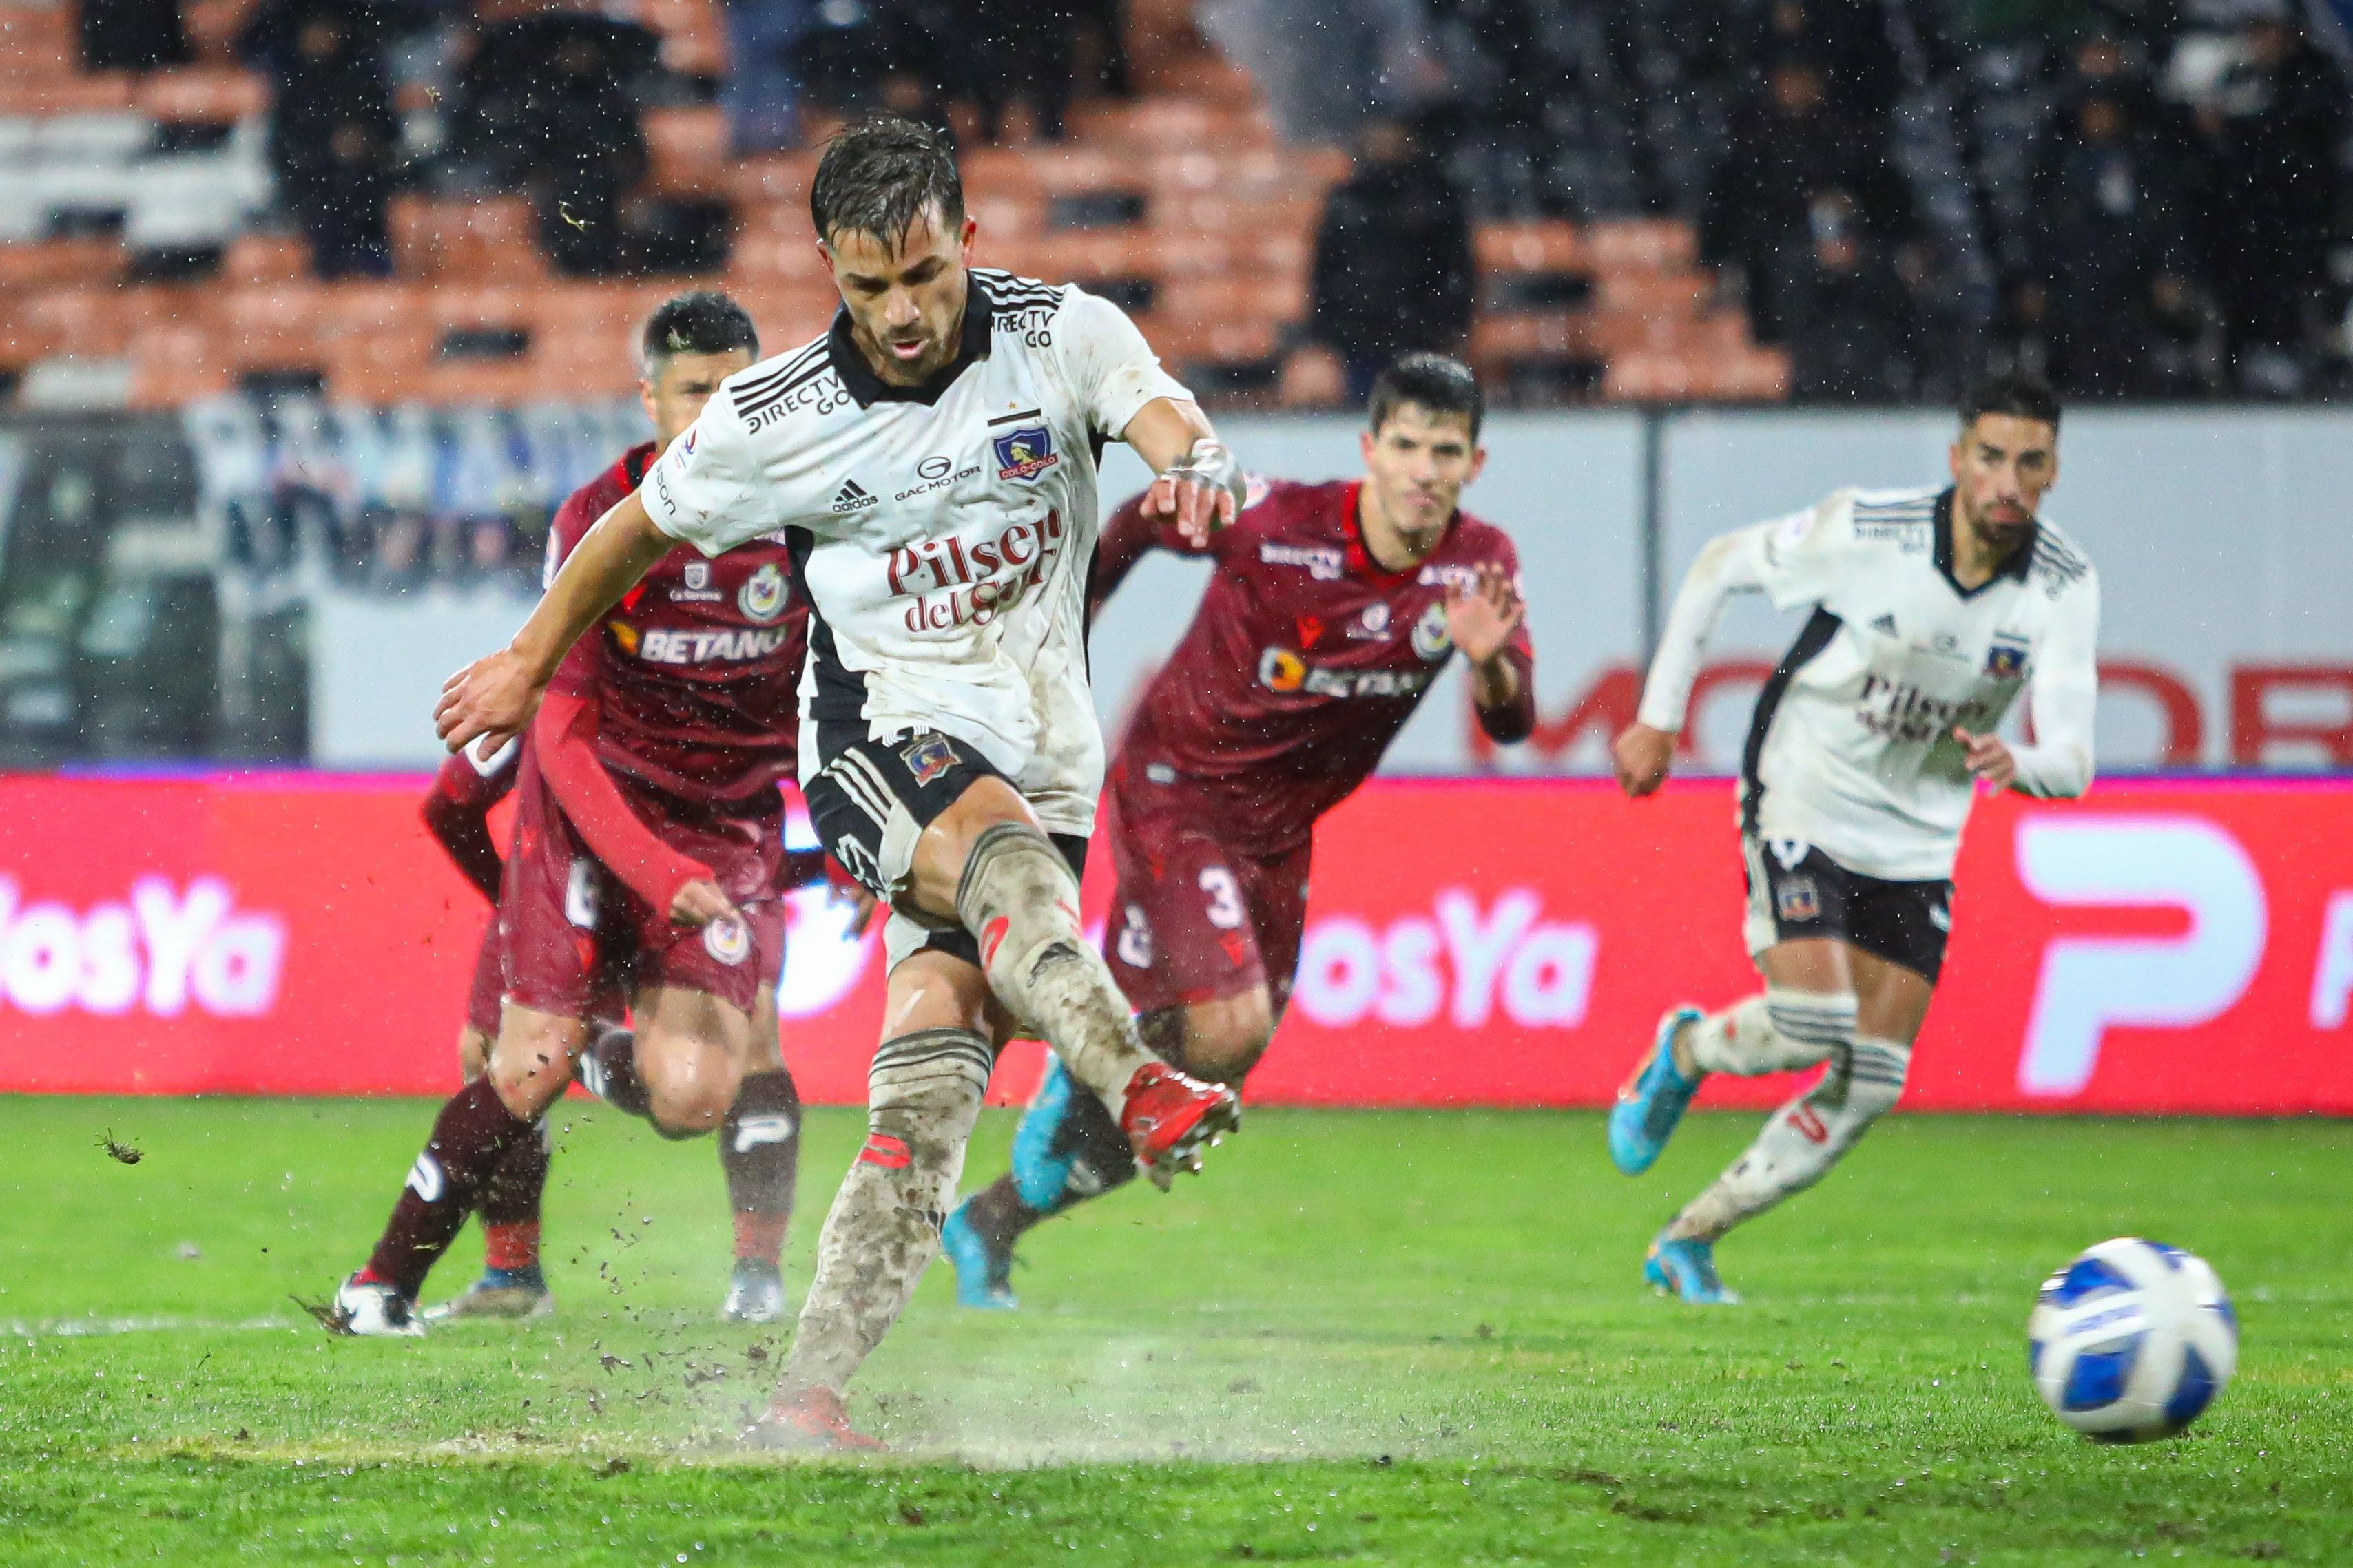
pixel 1390 1337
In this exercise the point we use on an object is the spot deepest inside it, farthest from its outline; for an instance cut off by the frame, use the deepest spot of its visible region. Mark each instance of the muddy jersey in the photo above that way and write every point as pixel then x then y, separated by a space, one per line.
pixel 695 672
pixel 1302 662
pixel 942 532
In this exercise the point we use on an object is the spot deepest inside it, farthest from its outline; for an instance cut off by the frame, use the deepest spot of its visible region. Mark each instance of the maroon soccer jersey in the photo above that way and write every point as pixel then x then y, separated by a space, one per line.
pixel 1302 662
pixel 696 671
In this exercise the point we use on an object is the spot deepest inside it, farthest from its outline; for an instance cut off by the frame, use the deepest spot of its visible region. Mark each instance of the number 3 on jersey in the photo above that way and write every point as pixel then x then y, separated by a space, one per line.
pixel 1224 897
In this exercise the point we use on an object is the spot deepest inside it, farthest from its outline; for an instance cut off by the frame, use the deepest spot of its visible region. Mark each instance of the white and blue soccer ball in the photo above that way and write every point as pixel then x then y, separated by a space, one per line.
pixel 2131 1341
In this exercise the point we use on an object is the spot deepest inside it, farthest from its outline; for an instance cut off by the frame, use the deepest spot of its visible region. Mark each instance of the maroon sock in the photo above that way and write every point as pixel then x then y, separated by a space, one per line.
pixel 511 1197
pixel 470 1137
pixel 760 1150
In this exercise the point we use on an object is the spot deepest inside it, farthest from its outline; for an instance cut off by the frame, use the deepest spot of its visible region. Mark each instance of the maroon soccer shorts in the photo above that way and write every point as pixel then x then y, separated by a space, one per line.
pixel 568 925
pixel 1194 920
pixel 608 1004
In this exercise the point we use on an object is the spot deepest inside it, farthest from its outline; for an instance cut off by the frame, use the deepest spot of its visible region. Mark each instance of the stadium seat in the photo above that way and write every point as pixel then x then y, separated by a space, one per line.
pixel 1543 247
pixel 1642 245
pixel 779 178
pixel 473 237
pixel 688 149
pixel 693 35
pixel 201 95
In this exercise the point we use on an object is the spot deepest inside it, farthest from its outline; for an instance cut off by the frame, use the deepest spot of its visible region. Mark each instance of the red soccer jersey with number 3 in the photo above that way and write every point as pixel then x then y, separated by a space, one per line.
pixel 1304 662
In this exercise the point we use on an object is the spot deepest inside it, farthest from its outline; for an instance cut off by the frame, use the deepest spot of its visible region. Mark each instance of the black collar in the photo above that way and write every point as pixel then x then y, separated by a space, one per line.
pixel 869 388
pixel 2014 567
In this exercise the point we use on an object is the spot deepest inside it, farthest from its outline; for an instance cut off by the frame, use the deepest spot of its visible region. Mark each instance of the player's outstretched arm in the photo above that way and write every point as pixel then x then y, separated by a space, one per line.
pixel 1200 488
pixel 1486 619
pixel 496 695
pixel 564 731
pixel 1735 562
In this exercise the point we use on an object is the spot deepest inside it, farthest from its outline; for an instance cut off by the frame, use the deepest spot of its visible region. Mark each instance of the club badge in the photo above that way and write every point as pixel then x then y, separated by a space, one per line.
pixel 928 758
pixel 762 596
pixel 1798 900
pixel 1026 453
pixel 727 940
pixel 2006 659
pixel 1430 638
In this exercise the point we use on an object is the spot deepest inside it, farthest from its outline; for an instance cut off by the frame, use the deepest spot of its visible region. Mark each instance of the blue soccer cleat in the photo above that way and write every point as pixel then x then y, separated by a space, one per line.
pixel 984 1273
pixel 508 1295
pixel 1652 1101
pixel 1685 1269
pixel 1042 1158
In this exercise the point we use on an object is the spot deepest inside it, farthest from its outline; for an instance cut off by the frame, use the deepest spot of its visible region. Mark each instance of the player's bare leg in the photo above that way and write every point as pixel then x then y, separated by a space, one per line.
pixel 942 1027
pixel 1068 1149
pixel 986 863
pixel 1803 1138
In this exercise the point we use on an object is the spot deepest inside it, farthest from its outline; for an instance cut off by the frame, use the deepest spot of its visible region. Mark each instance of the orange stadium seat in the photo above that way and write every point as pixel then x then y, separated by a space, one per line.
pixel 265 259
pixel 781 178
pixel 59 261
pixel 200 95
pixel 465 236
pixel 1642 245
pixel 765 258
pixel 272 328
pixel 1753 376
pixel 1546 245
pixel 45 93
pixel 688 149
pixel 1243 297
pixel 1518 335
pixel 172 365
pixel 212 26
pixel 354 312
pixel 693 35
pixel 1615 333
pixel 1678 293
pixel 1204 342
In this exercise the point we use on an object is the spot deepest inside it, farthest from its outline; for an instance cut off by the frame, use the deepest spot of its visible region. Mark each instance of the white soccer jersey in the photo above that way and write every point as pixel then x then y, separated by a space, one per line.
pixel 1852 748
pixel 943 535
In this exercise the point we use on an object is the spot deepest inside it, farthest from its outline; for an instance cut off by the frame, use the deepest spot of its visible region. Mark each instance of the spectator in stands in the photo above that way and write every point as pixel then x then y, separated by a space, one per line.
pixel 1786 149
pixel 1393 268
pixel 2023 340
pixel 2266 128
pixel 331 128
pixel 1330 67
pixel 2111 223
pixel 1849 318
pixel 1100 47
pixel 132 35
pixel 585 151
pixel 761 92
pixel 904 57
pixel 1019 52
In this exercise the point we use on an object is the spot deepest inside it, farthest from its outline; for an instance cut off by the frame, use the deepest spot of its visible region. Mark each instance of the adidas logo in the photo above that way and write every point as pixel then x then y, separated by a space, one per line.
pixel 1884 625
pixel 853 497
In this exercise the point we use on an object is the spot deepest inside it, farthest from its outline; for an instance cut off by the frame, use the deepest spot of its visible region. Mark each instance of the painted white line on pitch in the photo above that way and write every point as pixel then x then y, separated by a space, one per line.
pixel 92 1327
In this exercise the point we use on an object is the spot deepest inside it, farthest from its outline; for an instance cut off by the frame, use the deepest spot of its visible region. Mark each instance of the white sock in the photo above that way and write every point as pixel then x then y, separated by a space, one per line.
pixel 1802 1140
pixel 1779 1031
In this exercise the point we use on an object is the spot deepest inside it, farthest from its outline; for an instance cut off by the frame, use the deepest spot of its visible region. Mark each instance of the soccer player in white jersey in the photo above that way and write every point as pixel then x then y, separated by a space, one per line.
pixel 930 461
pixel 1932 609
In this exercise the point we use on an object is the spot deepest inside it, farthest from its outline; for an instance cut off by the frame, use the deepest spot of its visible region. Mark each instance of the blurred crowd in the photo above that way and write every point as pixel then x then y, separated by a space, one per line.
pixel 2175 225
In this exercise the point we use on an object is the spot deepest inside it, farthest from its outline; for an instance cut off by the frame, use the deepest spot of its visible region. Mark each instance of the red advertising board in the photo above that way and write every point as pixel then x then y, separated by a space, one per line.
pixel 2166 946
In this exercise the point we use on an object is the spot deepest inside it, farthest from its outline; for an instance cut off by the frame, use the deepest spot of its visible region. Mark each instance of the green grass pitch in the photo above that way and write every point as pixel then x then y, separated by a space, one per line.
pixel 1400 1338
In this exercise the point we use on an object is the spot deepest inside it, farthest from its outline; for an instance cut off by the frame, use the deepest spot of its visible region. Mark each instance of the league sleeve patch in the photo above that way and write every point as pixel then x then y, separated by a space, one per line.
pixel 928 758
pixel 727 940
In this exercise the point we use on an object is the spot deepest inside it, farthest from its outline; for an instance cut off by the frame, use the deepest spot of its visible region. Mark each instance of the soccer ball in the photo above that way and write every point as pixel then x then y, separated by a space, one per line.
pixel 2131 1341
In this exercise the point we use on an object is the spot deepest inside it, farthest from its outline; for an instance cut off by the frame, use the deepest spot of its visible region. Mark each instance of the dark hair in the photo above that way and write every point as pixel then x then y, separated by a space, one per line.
pixel 1431 382
pixel 703 323
pixel 2020 396
pixel 879 175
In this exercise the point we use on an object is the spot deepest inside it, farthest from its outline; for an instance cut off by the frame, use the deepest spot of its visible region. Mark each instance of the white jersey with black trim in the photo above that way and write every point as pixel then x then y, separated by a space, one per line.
pixel 941 534
pixel 1852 748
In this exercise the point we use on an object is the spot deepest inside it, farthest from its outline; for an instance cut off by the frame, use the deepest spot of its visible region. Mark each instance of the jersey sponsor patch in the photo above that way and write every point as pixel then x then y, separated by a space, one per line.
pixel 1026 453
pixel 1281 669
pixel 717 646
pixel 928 758
pixel 1325 565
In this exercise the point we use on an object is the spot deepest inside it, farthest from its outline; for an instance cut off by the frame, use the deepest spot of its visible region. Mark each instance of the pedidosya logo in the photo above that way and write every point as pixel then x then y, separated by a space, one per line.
pixel 762 596
pixel 158 952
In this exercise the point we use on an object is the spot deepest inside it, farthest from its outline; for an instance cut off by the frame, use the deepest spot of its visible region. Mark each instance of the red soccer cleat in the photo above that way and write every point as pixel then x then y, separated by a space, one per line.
pixel 812 1421
pixel 1170 1117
